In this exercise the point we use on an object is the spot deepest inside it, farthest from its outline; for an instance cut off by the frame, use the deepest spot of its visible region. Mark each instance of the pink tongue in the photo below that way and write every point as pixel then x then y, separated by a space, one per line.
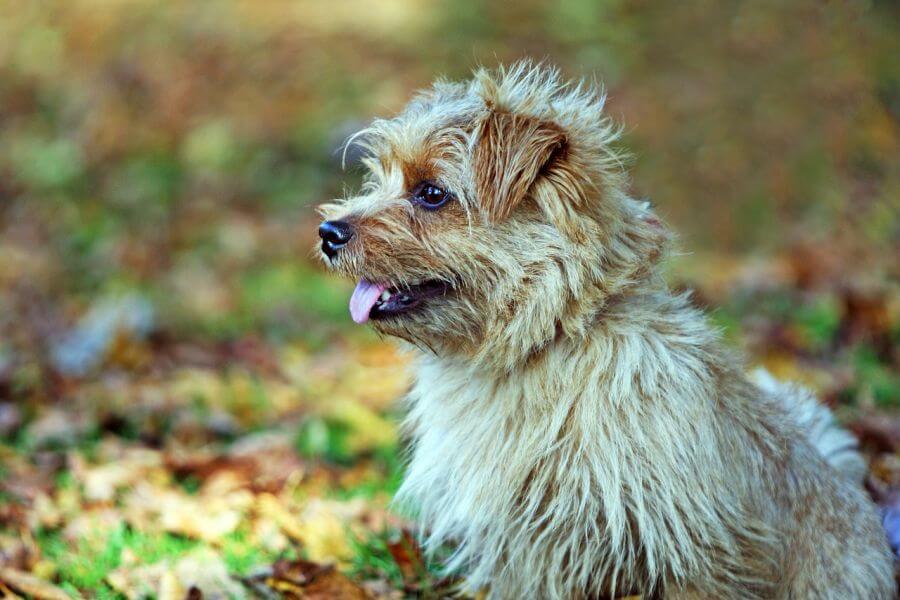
pixel 363 299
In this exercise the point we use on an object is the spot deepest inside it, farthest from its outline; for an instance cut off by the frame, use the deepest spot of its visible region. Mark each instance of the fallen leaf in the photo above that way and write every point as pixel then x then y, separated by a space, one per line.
pixel 208 516
pixel 202 569
pixel 57 426
pixel 17 551
pixel 408 556
pixel 879 432
pixel 44 513
pixel 101 482
pixel 31 585
pixel 307 580
pixel 170 588
pixel 321 526
pixel 368 429
pixel 270 506
pixel 8 594
pixel 10 419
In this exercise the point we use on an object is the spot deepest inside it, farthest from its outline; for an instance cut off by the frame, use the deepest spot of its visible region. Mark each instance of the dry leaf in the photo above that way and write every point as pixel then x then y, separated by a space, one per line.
pixel 368 430
pixel 170 588
pixel 101 482
pixel 202 569
pixel 27 583
pixel 307 580
pixel 321 526
pixel 408 556
pixel 208 516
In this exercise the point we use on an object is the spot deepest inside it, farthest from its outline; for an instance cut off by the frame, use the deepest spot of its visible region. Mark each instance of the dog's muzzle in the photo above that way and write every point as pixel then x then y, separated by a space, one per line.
pixel 335 235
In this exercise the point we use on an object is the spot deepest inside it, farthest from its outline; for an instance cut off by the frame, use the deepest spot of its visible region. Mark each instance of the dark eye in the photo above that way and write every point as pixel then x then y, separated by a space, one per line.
pixel 431 196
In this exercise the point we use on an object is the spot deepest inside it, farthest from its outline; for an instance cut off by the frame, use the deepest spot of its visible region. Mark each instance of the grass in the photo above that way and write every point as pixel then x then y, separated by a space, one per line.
pixel 241 556
pixel 326 439
pixel 875 379
pixel 96 557
pixel 389 466
pixel 818 321
pixel 372 559
pixel 83 566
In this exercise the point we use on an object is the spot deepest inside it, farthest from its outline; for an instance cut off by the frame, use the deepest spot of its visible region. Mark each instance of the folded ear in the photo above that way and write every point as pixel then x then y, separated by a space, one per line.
pixel 511 152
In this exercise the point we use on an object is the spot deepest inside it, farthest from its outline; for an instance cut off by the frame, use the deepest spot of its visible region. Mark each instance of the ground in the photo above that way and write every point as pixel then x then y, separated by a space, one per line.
pixel 186 408
pixel 243 466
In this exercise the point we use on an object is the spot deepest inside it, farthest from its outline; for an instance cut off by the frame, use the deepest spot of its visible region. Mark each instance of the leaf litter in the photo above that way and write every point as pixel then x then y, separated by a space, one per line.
pixel 182 414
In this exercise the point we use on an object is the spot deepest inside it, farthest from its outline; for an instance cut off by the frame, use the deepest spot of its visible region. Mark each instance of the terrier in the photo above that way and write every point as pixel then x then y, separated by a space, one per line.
pixel 577 429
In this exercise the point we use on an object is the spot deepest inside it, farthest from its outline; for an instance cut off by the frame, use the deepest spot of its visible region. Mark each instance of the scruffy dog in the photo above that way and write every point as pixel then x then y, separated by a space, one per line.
pixel 578 430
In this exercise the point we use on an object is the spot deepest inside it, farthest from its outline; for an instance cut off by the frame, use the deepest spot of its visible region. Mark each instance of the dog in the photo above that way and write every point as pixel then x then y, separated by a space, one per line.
pixel 577 429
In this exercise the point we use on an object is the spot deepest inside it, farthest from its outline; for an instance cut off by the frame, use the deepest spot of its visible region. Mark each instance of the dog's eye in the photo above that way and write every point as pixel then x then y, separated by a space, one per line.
pixel 430 196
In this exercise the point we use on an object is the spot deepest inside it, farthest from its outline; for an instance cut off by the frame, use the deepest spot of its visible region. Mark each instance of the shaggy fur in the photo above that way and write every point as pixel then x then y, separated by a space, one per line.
pixel 577 429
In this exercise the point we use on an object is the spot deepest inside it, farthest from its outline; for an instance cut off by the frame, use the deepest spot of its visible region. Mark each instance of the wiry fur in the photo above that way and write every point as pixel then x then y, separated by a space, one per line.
pixel 578 430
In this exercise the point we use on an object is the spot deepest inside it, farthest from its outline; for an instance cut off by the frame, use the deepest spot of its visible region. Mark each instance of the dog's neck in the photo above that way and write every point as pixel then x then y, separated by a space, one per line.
pixel 646 307
pixel 521 346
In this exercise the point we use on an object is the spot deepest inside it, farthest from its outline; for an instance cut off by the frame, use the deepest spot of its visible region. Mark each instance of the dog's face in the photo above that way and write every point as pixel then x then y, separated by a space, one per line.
pixel 491 218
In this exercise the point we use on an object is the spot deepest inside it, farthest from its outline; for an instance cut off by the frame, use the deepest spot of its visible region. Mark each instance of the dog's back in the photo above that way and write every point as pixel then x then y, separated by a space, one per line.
pixel 836 445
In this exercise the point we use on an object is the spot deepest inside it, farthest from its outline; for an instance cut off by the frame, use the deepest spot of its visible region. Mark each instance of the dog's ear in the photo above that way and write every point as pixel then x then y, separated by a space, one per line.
pixel 511 153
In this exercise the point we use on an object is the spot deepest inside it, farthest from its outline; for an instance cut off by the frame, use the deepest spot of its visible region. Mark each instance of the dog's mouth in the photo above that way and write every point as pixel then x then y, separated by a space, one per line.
pixel 381 301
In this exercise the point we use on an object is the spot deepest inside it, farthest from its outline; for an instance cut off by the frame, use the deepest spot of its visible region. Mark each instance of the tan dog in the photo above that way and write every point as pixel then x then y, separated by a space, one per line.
pixel 579 430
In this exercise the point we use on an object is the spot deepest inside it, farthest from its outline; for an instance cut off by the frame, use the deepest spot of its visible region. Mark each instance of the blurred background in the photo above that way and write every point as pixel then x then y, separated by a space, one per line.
pixel 180 384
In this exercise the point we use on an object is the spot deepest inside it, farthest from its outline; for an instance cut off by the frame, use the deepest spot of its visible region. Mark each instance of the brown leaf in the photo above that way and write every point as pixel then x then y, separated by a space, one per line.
pixel 321 525
pixel 8 594
pixel 334 586
pixel 202 570
pixel 880 433
pixel 18 551
pixel 31 585
pixel 408 556
pixel 262 461
pixel 194 594
pixel 310 581
pixel 867 317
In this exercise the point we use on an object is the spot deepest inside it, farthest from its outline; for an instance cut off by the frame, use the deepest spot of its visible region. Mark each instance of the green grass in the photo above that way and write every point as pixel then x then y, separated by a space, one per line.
pixel 818 321
pixel 241 556
pixel 728 323
pixel 329 440
pixel 389 465
pixel 326 439
pixel 876 378
pixel 86 566
pixel 372 559
pixel 85 441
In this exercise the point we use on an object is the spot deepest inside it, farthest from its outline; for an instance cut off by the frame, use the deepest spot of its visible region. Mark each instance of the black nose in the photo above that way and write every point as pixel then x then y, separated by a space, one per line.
pixel 334 234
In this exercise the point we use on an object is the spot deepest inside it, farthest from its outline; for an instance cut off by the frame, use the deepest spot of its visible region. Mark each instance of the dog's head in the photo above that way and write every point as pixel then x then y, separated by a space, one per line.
pixel 492 219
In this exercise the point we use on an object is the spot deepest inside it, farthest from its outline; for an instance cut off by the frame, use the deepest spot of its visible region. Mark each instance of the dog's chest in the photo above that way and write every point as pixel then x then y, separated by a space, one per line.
pixel 486 450
pixel 510 477
pixel 563 455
